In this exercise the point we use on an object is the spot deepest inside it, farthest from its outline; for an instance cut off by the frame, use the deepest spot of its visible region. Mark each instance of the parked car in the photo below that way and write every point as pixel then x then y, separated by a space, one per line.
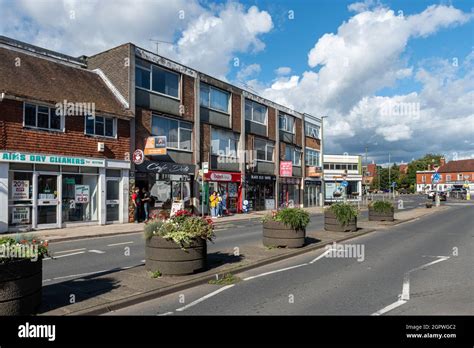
pixel 442 195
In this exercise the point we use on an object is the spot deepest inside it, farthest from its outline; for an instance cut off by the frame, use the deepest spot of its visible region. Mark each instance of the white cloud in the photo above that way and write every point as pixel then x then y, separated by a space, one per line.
pixel 395 132
pixel 206 38
pixel 283 70
pixel 248 71
pixel 285 83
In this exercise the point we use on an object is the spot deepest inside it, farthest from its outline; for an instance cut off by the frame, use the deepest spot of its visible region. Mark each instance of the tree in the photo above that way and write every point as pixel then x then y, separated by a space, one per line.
pixel 424 163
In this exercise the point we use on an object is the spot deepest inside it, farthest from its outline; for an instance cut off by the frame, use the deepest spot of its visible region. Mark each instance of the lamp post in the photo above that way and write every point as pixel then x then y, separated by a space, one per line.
pixel 323 184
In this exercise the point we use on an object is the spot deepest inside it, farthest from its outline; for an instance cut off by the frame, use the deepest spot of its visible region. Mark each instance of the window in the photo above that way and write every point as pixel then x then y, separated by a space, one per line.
pixel 459 176
pixel 326 165
pixel 293 154
pixel 287 123
pixel 264 150
pixel 101 126
pixel 423 178
pixel 154 78
pixel 312 158
pixel 178 134
pixel 41 117
pixel 255 112
pixel 312 130
pixel 448 177
pixel 224 143
pixel 214 98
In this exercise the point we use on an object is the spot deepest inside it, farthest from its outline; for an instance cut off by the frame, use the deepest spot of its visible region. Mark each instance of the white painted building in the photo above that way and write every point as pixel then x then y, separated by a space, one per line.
pixel 340 168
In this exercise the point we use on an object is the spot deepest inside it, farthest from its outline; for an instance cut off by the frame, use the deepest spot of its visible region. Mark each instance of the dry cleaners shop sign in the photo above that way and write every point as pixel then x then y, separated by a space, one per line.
pixel 50 159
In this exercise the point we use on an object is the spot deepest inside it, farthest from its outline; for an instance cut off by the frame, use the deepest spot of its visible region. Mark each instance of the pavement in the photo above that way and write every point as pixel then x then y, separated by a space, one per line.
pixel 94 274
pixel 421 267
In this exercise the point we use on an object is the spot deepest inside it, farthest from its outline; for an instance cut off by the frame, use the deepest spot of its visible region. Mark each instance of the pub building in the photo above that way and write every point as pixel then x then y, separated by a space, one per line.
pixel 57 168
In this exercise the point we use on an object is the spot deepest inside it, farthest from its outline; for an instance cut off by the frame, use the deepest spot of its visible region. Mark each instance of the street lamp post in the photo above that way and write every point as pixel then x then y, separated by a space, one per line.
pixel 323 184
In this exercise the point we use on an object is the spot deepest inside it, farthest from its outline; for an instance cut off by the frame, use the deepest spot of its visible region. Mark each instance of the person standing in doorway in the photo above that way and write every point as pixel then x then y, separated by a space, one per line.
pixel 136 204
pixel 213 202
pixel 219 205
pixel 146 203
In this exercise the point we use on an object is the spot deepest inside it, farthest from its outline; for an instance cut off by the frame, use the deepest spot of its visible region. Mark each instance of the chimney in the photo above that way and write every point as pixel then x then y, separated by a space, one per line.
pixel 442 161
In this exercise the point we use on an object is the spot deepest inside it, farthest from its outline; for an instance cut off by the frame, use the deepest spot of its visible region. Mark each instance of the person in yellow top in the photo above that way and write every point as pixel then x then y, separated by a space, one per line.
pixel 213 203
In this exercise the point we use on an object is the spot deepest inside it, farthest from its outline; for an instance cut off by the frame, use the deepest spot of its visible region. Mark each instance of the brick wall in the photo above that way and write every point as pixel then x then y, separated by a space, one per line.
pixel 271 123
pixel 205 142
pixel 115 64
pixel 188 98
pixel 249 138
pixel 313 143
pixel 142 127
pixel 299 132
pixel 236 112
pixel 72 142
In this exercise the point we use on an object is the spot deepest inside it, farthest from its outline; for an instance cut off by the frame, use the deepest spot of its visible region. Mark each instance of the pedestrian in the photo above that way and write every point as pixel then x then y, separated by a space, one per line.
pixel 219 205
pixel 136 204
pixel 213 201
pixel 146 203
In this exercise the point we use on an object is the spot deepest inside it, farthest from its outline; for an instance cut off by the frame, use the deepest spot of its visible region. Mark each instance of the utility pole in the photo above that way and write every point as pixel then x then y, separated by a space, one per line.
pixel 389 178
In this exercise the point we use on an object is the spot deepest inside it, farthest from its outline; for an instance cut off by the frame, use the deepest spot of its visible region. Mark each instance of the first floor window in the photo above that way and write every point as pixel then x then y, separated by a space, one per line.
pixel 224 143
pixel 287 123
pixel 255 112
pixel 312 158
pixel 41 117
pixel 312 130
pixel 101 126
pixel 293 154
pixel 178 134
pixel 214 98
pixel 264 150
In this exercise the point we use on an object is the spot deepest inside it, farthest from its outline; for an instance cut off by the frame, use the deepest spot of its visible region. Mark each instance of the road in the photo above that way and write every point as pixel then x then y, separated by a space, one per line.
pixel 421 267
pixel 77 258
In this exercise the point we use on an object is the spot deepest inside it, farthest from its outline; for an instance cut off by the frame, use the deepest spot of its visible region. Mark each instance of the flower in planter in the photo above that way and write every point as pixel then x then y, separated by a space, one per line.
pixel 296 218
pixel 19 249
pixel 382 206
pixel 344 212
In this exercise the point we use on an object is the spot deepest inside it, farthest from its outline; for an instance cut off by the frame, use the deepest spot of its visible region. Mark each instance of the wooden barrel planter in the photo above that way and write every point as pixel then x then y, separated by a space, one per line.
pixel 20 287
pixel 277 234
pixel 332 224
pixel 384 216
pixel 167 257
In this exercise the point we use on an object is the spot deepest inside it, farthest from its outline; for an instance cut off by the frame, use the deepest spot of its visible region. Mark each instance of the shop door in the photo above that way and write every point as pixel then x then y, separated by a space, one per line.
pixel 113 199
pixel 48 201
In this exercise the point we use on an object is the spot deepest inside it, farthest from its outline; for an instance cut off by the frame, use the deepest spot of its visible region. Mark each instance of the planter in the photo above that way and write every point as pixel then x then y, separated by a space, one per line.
pixel 277 234
pixel 167 257
pixel 429 204
pixel 20 287
pixel 375 216
pixel 332 224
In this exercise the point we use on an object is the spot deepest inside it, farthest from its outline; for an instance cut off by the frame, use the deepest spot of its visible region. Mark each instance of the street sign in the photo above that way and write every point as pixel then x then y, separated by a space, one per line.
pixel 394 184
pixel 205 167
pixel 344 183
pixel 435 178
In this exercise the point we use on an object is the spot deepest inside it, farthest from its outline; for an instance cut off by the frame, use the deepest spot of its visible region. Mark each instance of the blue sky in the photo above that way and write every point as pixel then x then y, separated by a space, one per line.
pixel 360 62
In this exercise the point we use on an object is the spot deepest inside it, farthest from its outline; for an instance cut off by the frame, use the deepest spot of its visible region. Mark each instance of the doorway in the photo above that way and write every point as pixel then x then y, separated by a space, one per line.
pixel 47 200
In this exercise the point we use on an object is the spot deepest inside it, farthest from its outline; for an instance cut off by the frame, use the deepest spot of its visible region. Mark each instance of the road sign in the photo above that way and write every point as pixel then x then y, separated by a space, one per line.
pixel 394 184
pixel 435 178
pixel 205 167
pixel 344 183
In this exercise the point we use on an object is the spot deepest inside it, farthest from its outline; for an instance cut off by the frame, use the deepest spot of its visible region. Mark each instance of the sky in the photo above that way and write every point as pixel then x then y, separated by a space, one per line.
pixel 393 77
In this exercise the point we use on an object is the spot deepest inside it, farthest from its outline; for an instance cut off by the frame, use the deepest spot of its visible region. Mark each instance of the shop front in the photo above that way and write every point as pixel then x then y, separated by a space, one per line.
pixel 289 192
pixel 52 191
pixel 260 191
pixel 335 190
pixel 312 191
pixel 169 183
pixel 229 185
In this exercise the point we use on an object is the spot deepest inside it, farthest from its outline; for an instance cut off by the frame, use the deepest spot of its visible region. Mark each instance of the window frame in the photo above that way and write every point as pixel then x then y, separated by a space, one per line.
pixel 62 123
pixel 210 87
pixel 252 108
pixel 150 70
pixel 315 155
pixel 267 145
pixel 294 151
pixel 115 126
pixel 153 116
pixel 287 117
pixel 236 139
pixel 314 127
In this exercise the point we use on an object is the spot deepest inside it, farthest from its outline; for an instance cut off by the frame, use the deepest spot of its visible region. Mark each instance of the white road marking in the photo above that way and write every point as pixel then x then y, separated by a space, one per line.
pixel 87 274
pixel 143 261
pixel 58 257
pixel 97 251
pixel 109 245
pixel 390 307
pixel 204 298
pixel 321 256
pixel 404 297
pixel 276 271
pixel 163 314
pixel 68 251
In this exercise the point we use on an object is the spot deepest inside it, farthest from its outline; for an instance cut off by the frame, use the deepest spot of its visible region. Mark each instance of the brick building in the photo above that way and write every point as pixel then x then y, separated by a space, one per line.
pixel 453 174
pixel 64 142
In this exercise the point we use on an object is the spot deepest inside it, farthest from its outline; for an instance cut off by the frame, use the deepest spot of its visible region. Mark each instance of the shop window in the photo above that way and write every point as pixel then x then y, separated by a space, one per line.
pixel 224 143
pixel 47 168
pixel 264 150
pixel 41 117
pixel 312 158
pixel 178 134
pixel 70 169
pixel 79 198
pixel 113 173
pixel 20 198
pixel 255 112
pixel 213 98
pixel 156 79
pixel 90 170
pixel 287 123
pixel 101 126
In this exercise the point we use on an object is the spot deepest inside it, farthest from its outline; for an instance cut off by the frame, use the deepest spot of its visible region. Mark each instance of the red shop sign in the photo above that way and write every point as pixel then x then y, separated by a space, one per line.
pixel 286 168
pixel 222 176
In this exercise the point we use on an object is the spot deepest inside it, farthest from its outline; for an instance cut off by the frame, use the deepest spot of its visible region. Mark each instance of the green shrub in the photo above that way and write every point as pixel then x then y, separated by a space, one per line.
pixel 382 207
pixel 344 212
pixel 296 218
